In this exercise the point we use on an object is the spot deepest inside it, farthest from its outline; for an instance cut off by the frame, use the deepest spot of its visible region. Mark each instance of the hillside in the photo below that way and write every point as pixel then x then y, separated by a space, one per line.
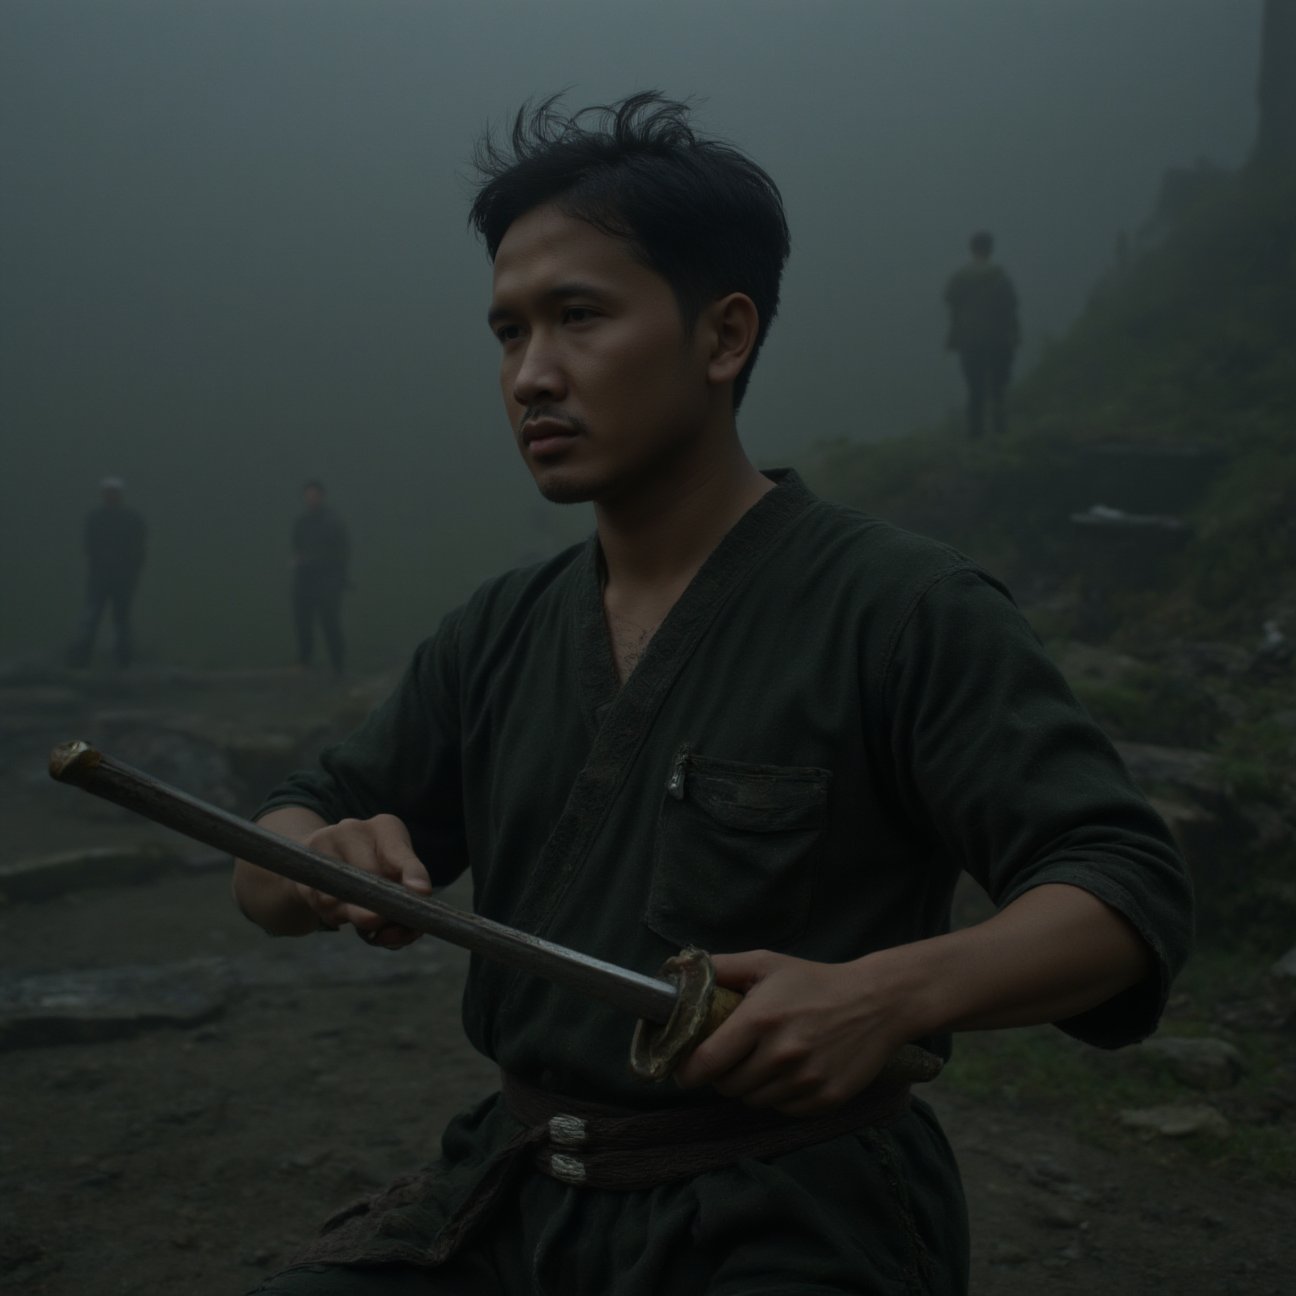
pixel 1143 509
pixel 1173 393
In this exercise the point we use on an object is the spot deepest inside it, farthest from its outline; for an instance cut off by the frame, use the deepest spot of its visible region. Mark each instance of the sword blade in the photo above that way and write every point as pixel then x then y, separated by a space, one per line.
pixel 81 765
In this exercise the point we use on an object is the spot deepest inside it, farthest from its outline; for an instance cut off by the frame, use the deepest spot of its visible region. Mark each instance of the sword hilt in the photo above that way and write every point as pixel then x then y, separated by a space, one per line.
pixel 703 1006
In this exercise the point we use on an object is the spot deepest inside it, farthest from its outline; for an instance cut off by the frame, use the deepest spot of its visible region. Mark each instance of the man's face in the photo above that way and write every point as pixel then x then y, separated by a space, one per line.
pixel 314 497
pixel 605 391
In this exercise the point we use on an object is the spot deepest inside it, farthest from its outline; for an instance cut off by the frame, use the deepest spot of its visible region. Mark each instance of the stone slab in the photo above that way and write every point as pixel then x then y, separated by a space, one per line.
pixel 45 877
pixel 100 1004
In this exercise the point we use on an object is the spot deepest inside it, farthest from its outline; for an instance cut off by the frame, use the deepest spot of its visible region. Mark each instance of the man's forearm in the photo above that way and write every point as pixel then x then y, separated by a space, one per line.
pixel 271 901
pixel 1054 952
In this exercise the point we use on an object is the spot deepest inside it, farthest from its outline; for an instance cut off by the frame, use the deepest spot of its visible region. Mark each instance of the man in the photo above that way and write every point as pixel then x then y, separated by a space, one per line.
pixel 737 717
pixel 321 551
pixel 114 540
pixel 983 329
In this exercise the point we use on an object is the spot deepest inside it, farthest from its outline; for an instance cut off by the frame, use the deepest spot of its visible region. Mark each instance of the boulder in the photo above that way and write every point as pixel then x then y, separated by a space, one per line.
pixel 1177 1120
pixel 105 1004
pixel 172 748
pixel 1189 775
pixel 1208 1064
pixel 1094 663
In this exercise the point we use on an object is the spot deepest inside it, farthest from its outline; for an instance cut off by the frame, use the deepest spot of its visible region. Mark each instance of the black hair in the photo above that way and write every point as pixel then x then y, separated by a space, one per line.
pixel 315 484
pixel 695 210
pixel 981 243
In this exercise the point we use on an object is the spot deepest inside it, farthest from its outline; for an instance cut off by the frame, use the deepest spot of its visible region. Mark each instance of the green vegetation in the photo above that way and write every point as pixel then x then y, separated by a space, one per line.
pixel 1041 1070
pixel 1086 1089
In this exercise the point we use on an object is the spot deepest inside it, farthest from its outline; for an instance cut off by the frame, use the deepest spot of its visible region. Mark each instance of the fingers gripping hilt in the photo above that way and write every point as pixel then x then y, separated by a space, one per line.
pixel 657 1049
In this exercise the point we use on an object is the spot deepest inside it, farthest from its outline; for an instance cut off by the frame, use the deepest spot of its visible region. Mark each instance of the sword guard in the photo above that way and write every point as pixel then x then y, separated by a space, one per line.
pixel 658 1048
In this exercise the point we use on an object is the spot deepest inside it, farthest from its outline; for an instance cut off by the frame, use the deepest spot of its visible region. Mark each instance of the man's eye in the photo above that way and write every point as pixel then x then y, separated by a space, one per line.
pixel 577 314
pixel 508 333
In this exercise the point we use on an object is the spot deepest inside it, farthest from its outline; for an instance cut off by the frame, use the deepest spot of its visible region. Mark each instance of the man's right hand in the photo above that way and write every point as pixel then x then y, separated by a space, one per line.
pixel 379 845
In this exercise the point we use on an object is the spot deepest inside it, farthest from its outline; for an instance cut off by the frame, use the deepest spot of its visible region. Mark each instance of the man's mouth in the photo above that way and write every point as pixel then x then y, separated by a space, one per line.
pixel 545 435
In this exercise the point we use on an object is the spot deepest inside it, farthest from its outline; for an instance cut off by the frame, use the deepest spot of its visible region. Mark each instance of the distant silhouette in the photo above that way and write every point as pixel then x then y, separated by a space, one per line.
pixel 321 551
pixel 114 540
pixel 983 330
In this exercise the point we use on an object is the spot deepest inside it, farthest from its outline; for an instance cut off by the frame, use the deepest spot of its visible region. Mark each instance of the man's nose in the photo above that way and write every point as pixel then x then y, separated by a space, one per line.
pixel 539 376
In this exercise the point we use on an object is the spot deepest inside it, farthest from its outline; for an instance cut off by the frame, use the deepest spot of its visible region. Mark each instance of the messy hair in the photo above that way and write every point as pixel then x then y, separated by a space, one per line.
pixel 693 209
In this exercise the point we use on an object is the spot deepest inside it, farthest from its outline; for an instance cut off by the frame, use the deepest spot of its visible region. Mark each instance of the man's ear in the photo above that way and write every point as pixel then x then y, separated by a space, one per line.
pixel 731 324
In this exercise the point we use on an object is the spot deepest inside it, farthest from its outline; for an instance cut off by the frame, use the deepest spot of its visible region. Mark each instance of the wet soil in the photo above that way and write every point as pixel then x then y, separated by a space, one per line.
pixel 194 1159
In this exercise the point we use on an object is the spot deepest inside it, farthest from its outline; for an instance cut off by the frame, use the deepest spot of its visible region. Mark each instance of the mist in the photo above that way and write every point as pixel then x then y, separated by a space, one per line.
pixel 234 255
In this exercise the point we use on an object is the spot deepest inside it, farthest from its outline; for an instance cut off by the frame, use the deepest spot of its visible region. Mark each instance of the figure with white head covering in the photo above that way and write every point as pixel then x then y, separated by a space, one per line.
pixel 115 540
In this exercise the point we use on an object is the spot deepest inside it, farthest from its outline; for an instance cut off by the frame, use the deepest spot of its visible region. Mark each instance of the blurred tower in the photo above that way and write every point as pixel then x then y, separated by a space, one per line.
pixel 1275 144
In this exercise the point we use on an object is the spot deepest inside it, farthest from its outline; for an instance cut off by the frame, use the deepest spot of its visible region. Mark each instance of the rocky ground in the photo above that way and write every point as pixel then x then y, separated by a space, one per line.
pixel 184 1100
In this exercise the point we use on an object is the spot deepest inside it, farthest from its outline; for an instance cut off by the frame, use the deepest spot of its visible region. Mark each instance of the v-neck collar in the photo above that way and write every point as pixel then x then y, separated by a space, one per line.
pixel 600 685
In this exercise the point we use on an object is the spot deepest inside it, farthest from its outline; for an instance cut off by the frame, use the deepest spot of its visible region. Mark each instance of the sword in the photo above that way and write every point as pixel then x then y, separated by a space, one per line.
pixel 676 1009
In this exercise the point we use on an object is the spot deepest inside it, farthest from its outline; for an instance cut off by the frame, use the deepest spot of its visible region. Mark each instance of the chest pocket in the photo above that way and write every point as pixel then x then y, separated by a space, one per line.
pixel 737 853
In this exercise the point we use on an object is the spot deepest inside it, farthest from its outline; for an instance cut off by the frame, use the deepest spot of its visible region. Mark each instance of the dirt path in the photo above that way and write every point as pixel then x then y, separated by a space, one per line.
pixel 192 1159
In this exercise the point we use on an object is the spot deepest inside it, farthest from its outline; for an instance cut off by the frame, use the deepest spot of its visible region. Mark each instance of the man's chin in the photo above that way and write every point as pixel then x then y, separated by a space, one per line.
pixel 564 488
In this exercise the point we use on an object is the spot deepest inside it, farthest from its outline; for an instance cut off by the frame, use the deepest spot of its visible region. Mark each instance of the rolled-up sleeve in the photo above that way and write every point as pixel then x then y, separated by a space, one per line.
pixel 995 754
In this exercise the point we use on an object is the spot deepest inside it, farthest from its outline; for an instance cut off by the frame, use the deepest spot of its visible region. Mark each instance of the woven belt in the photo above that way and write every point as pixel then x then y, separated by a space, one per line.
pixel 602 1147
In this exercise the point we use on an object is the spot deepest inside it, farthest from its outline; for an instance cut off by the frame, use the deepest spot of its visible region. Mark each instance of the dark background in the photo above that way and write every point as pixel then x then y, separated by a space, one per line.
pixel 233 254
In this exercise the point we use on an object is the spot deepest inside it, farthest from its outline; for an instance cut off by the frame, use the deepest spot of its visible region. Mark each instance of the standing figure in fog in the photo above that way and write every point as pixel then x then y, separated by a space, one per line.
pixel 737 717
pixel 321 553
pixel 983 329
pixel 115 539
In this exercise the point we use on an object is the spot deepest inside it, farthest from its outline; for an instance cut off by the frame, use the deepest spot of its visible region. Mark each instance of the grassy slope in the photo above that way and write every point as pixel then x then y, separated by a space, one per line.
pixel 1192 343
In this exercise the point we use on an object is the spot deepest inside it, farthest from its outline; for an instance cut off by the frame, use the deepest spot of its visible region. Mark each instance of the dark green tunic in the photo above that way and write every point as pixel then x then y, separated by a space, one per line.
pixel 834 720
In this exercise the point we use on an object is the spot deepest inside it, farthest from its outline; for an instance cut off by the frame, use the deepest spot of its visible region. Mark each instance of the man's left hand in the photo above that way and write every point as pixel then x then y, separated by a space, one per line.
pixel 806 1038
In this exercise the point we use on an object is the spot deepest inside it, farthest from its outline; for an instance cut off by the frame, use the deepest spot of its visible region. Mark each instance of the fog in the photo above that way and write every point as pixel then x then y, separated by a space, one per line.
pixel 234 255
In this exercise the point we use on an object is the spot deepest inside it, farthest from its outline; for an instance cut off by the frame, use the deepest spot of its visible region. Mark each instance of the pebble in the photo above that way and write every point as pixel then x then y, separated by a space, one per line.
pixel 307 1160
pixel 1056 1213
pixel 1046 1171
pixel 1007 1253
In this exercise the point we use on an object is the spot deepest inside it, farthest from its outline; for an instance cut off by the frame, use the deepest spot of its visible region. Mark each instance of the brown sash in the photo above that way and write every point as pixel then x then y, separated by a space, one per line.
pixel 610 1148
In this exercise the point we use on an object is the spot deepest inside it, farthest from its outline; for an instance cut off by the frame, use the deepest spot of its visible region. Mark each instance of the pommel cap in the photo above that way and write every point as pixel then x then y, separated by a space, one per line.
pixel 70 759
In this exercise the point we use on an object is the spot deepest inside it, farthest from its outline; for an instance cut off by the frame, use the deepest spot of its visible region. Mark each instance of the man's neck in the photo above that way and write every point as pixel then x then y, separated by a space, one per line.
pixel 656 542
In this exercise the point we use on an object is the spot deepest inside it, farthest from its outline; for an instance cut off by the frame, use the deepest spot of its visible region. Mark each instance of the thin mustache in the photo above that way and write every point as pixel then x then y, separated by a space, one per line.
pixel 537 412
